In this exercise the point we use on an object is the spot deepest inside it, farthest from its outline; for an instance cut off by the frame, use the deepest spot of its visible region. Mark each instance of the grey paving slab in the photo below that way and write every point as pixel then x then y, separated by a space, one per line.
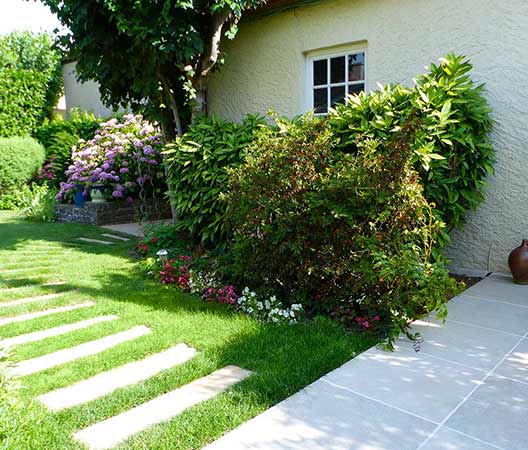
pixel 516 365
pixel 425 386
pixel 46 312
pixel 67 355
pixel 493 315
pixel 39 298
pixel 110 432
pixel 385 401
pixel 501 288
pixel 134 229
pixel 497 413
pixel 461 343
pixel 115 236
pixel 446 439
pixel 95 241
pixel 324 417
pixel 56 331
pixel 107 382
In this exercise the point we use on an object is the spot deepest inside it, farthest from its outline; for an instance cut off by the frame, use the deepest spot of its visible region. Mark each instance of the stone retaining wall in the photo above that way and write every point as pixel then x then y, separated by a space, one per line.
pixel 111 213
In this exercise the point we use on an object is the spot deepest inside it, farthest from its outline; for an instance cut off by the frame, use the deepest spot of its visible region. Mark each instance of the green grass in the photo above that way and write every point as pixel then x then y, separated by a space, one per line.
pixel 283 359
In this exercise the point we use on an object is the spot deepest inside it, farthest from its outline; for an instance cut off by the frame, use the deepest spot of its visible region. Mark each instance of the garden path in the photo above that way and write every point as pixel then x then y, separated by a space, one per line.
pixel 465 389
pixel 110 432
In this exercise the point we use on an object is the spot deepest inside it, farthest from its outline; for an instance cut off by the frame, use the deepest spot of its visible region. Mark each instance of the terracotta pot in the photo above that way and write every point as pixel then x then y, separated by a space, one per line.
pixel 518 262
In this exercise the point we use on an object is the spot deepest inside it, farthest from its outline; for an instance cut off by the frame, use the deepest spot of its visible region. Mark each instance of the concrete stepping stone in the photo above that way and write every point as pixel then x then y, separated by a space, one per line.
pixel 110 432
pixel 107 382
pixel 114 236
pixel 22 301
pixel 27 269
pixel 47 312
pixel 66 355
pixel 56 331
pixel 95 241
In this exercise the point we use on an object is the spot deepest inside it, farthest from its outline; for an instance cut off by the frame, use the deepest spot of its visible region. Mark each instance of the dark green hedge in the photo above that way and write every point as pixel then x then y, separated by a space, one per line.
pixel 20 159
pixel 59 135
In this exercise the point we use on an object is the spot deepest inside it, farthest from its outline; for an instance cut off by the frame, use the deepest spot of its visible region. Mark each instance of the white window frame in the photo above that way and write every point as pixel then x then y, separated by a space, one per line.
pixel 328 55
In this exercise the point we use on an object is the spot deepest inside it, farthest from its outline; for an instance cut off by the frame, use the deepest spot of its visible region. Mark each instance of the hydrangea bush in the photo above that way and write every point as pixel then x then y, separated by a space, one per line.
pixel 123 157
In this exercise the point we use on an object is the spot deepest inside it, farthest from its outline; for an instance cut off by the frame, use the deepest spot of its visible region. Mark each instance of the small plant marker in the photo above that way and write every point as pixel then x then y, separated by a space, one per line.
pixel 80 351
pixel 107 382
pixel 47 312
pixel 57 331
pixel 110 432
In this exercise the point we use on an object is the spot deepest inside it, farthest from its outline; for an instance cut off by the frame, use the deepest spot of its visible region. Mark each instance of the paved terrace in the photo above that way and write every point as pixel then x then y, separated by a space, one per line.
pixel 466 389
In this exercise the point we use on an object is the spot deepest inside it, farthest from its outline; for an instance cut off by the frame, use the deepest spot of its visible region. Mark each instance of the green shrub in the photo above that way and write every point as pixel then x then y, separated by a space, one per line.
pixel 197 173
pixel 20 159
pixel 36 202
pixel 30 82
pixel 58 136
pixel 347 235
pixel 451 147
pixel 79 123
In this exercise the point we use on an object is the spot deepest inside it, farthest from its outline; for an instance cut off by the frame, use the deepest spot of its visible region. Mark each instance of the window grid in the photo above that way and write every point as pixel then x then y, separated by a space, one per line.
pixel 329 85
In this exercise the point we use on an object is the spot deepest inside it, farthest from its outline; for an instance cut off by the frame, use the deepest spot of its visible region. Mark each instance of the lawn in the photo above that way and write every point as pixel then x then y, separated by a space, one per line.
pixel 282 358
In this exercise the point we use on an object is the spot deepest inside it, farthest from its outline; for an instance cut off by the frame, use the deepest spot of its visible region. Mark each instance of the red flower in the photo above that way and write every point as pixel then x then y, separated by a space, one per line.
pixel 154 240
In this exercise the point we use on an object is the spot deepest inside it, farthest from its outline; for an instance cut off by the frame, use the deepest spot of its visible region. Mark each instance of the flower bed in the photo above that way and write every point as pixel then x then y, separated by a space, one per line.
pixel 122 159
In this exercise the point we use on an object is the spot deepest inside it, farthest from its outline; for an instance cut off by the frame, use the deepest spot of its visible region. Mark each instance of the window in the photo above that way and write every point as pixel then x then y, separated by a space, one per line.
pixel 333 77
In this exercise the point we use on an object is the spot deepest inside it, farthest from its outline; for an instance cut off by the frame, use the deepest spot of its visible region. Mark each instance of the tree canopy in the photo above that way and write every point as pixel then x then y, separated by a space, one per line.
pixel 154 55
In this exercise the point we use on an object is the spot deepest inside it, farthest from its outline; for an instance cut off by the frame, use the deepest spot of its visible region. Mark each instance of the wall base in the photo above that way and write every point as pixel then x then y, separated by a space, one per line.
pixel 111 213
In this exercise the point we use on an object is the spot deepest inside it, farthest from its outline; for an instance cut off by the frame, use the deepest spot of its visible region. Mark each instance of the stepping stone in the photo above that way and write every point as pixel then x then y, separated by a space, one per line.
pixel 57 331
pixel 113 236
pixel 107 382
pixel 95 241
pixel 80 351
pixel 54 283
pixel 110 432
pixel 47 312
pixel 22 301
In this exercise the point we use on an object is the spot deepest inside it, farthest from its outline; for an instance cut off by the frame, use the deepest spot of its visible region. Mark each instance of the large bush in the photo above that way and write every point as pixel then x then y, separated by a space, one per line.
pixel 197 173
pixel 58 136
pixel 30 82
pixel 350 235
pixel 124 158
pixel 451 145
pixel 20 159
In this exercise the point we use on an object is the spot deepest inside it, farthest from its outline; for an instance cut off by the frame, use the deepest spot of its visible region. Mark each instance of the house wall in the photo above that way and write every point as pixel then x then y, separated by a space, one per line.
pixel 84 96
pixel 266 69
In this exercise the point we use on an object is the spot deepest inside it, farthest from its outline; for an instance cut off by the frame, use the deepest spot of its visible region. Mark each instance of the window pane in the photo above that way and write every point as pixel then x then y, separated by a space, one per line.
pixel 356 67
pixel 355 88
pixel 337 95
pixel 320 101
pixel 337 69
pixel 320 74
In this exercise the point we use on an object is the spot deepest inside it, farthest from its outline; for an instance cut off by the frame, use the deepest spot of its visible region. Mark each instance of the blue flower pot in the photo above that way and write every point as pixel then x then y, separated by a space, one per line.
pixel 79 198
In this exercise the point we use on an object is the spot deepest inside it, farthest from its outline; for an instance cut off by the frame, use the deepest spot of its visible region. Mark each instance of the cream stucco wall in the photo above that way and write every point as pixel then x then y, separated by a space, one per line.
pixel 266 68
pixel 84 96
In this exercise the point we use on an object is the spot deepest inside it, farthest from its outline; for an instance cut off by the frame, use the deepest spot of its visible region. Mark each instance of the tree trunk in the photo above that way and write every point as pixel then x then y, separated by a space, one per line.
pixel 199 104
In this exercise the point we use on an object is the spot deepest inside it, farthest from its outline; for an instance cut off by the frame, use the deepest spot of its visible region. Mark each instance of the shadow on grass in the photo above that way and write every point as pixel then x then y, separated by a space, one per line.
pixel 17 234
pixel 283 358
